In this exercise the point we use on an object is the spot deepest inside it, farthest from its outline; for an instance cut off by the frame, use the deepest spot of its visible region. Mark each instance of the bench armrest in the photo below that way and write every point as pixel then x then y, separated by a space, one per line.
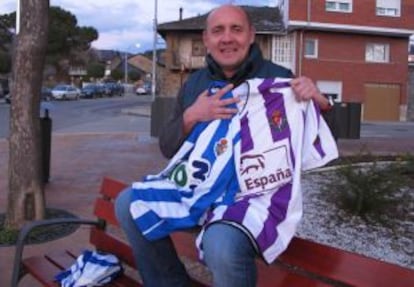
pixel 25 231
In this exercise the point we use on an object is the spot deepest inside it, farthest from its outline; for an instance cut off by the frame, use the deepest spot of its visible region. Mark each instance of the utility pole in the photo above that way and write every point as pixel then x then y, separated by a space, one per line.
pixel 154 53
pixel 126 67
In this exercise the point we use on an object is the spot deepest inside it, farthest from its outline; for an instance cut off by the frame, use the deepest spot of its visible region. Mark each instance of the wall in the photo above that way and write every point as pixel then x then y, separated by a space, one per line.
pixel 341 57
pixel 410 105
pixel 363 13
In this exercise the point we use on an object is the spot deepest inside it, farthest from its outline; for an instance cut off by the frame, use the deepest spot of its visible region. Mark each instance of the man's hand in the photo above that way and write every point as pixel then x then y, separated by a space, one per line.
pixel 207 108
pixel 305 90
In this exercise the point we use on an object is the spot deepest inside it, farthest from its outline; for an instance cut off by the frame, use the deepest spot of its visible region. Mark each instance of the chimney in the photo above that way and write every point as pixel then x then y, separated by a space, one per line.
pixel 181 13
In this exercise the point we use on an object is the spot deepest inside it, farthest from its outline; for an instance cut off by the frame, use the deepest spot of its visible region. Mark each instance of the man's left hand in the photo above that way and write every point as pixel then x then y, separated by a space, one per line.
pixel 305 90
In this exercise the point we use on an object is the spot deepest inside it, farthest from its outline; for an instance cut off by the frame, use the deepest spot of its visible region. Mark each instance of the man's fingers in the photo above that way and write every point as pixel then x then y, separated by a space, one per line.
pixel 223 91
pixel 204 94
pixel 227 111
pixel 226 102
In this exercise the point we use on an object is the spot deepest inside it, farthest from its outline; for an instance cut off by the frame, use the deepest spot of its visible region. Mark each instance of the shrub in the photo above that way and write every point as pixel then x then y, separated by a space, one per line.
pixel 375 190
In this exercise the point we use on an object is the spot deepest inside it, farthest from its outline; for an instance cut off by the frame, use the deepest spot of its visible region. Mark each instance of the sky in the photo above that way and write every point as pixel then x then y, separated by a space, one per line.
pixel 127 25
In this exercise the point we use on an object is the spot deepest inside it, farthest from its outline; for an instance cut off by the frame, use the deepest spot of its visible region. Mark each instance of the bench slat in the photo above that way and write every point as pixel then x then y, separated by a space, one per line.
pixel 124 281
pixel 42 269
pixel 111 187
pixel 269 275
pixel 350 268
pixel 108 243
pixel 104 209
pixel 61 258
pixel 273 275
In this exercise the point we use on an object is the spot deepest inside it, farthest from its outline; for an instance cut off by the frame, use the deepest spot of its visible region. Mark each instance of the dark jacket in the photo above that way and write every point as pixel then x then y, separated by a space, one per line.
pixel 172 135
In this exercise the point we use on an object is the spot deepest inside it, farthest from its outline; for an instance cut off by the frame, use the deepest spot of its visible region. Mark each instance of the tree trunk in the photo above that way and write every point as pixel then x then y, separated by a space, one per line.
pixel 25 189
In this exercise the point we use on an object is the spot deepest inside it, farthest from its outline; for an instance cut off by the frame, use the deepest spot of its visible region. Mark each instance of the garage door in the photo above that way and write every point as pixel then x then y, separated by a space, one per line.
pixel 382 102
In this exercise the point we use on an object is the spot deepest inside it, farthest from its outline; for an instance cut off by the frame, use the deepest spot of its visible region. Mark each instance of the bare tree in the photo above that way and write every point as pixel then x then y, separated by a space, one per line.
pixel 25 190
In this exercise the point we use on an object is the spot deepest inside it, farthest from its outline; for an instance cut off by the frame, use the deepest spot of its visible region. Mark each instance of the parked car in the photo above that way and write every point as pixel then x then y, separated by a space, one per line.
pixel 112 89
pixel 4 88
pixel 145 89
pixel 141 91
pixel 91 91
pixel 65 92
pixel 46 95
pixel 7 98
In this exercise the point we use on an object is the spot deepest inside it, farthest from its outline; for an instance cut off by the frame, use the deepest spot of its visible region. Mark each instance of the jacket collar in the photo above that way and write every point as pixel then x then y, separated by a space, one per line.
pixel 247 69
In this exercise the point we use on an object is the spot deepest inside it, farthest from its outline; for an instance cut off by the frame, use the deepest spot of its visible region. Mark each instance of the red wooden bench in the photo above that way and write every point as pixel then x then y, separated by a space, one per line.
pixel 304 263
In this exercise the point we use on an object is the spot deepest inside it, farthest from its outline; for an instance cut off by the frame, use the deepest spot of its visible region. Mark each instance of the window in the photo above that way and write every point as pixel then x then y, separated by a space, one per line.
pixel 331 89
pixel 390 8
pixel 339 6
pixel 311 48
pixel 198 48
pixel 284 51
pixel 379 53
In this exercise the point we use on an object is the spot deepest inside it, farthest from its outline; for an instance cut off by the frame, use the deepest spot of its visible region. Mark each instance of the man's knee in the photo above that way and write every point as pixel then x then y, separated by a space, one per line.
pixel 122 204
pixel 225 244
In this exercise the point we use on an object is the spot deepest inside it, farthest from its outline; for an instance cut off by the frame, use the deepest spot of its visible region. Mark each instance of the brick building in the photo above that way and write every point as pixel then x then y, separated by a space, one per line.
pixel 356 51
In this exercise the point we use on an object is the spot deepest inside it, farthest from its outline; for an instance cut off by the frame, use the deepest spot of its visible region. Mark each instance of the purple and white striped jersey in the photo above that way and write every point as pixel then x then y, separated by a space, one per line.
pixel 280 137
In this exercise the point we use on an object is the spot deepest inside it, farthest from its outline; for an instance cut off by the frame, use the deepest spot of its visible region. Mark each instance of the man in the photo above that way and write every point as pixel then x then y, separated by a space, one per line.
pixel 232 57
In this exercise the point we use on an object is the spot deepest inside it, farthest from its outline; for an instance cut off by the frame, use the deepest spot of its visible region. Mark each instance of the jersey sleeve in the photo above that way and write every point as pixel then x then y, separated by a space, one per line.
pixel 319 146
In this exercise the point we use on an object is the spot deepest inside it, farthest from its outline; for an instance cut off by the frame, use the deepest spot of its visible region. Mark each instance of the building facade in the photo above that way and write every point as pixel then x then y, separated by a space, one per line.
pixel 356 51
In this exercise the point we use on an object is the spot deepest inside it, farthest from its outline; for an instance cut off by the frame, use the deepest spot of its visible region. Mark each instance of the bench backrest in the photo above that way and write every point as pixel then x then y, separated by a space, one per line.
pixel 104 210
pixel 347 267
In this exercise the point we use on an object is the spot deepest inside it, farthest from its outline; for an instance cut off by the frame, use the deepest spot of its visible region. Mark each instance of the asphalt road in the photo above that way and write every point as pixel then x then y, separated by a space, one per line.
pixel 90 115
pixel 108 115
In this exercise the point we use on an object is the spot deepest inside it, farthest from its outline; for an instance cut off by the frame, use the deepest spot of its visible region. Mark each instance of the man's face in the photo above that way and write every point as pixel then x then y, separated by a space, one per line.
pixel 227 37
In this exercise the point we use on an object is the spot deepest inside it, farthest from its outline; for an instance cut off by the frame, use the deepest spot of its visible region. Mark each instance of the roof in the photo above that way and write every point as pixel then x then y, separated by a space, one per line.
pixel 265 20
pixel 141 62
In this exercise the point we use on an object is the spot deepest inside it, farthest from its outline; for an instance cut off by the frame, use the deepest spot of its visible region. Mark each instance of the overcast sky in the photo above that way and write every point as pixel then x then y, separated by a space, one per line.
pixel 122 24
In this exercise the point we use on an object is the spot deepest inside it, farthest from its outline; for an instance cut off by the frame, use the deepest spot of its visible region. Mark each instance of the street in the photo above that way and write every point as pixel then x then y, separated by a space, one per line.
pixel 108 115
pixel 90 115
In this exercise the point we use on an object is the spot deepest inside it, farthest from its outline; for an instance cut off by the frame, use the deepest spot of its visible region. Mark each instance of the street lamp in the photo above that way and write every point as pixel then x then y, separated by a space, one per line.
pixel 137 45
pixel 154 52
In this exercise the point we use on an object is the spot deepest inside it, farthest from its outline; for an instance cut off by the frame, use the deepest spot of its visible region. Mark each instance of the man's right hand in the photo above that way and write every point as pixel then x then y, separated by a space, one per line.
pixel 207 108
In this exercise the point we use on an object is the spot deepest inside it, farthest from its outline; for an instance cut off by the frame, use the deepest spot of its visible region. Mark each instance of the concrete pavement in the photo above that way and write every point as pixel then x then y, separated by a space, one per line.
pixel 80 160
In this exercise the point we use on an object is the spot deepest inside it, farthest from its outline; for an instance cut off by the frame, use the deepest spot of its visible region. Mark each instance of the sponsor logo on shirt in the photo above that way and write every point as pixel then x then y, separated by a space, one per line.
pixel 265 171
pixel 190 174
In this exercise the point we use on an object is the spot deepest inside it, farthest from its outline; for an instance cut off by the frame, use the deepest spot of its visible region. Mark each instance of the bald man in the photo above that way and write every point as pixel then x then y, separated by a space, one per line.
pixel 233 57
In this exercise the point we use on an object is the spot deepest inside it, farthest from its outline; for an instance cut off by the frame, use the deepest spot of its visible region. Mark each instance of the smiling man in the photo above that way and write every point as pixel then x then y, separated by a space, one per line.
pixel 228 39
pixel 228 247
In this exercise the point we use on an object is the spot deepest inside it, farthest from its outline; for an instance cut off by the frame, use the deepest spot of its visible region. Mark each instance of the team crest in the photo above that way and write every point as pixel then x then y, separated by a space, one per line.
pixel 278 120
pixel 221 146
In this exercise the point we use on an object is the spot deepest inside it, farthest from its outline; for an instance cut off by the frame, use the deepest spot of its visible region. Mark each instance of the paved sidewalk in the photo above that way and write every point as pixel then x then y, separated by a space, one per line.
pixel 79 161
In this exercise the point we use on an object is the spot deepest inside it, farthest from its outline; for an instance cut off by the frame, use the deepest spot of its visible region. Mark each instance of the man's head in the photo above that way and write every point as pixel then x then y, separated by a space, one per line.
pixel 228 36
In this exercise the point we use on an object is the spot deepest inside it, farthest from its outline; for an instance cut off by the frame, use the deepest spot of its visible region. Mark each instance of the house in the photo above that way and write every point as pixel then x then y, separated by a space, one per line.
pixel 356 51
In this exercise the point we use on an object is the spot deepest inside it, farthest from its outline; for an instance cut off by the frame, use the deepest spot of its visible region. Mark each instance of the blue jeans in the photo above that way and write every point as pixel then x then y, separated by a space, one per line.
pixel 228 254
